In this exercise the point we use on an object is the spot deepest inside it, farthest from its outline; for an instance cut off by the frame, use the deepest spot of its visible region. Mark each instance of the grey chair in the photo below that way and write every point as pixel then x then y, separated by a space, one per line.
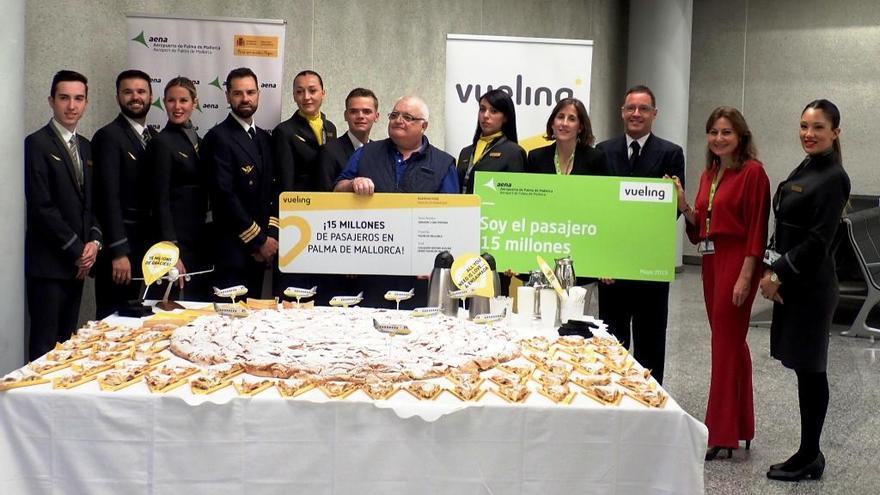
pixel 864 234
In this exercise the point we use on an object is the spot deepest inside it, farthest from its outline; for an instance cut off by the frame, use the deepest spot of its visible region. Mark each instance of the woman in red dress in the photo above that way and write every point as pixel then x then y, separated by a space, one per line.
pixel 729 226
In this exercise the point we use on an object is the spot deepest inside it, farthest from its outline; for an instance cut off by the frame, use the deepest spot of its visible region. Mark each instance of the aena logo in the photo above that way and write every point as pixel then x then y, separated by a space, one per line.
pixel 210 105
pixel 146 40
pixel 521 95
pixel 495 186
pixel 649 192
pixel 491 184
pixel 267 85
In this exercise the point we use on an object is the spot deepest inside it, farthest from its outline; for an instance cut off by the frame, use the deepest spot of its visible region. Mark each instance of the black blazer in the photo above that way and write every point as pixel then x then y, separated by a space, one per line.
pixel 122 203
pixel 296 152
pixel 501 155
pixel 242 190
pixel 657 158
pixel 333 158
pixel 59 212
pixel 587 161
pixel 181 191
pixel 808 206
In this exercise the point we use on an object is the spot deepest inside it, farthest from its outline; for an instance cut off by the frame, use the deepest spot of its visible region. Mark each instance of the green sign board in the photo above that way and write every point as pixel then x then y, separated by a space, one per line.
pixel 615 227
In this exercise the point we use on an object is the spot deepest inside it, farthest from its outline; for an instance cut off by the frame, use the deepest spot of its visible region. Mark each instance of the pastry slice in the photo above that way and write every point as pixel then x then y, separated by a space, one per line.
pixel 423 390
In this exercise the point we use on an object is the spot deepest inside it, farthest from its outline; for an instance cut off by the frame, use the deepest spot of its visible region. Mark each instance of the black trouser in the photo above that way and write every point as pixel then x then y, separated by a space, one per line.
pixel 53 306
pixel 636 313
pixel 813 402
pixel 110 296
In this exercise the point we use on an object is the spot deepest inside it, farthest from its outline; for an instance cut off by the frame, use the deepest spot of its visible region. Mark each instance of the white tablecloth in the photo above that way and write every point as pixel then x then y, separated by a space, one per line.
pixel 84 441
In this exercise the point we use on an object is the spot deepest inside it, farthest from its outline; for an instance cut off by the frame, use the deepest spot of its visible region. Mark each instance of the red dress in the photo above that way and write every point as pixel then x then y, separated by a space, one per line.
pixel 738 229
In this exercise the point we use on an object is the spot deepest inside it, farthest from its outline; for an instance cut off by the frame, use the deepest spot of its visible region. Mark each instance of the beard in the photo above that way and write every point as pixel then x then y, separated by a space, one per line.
pixel 244 112
pixel 135 115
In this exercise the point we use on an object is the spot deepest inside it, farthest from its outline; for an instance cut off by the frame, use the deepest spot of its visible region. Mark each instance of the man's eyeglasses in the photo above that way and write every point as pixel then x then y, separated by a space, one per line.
pixel 640 108
pixel 409 119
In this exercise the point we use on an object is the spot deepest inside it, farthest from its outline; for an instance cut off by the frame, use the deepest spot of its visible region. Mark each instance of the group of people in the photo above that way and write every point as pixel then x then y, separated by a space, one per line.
pixel 99 205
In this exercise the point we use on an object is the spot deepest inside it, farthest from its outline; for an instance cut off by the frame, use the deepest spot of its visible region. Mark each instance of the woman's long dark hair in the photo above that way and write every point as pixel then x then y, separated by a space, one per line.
pixel 831 112
pixel 500 101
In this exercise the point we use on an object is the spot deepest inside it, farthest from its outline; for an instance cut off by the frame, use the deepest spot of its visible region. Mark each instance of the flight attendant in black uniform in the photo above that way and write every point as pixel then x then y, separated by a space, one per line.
pixel 494 148
pixel 122 205
pixel 801 278
pixel 181 189
pixel 62 239
pixel 297 143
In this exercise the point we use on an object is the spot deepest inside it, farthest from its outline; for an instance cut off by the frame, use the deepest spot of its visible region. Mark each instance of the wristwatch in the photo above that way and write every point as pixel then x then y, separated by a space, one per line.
pixel 98 243
pixel 774 278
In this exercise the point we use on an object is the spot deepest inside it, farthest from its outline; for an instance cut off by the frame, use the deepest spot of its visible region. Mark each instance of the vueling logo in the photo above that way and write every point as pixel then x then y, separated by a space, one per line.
pixel 146 40
pixel 521 95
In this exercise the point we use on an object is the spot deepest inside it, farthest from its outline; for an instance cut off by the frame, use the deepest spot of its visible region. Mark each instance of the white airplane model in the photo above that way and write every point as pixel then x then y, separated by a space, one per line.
pixel 391 328
pixel 171 277
pixel 298 293
pixel 347 300
pixel 427 311
pixel 489 317
pixel 231 292
pixel 399 295
pixel 461 293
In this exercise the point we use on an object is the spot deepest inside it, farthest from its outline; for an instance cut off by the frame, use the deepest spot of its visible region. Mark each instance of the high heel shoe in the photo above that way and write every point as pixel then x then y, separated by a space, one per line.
pixel 812 470
pixel 712 452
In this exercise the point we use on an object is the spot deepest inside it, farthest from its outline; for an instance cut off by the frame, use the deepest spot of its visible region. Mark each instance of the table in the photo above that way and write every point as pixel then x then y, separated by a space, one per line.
pixel 131 441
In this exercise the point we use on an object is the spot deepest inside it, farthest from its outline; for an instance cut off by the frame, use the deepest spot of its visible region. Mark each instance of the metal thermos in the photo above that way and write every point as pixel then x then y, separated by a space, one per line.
pixel 564 272
pixel 538 281
pixel 441 283
pixel 479 305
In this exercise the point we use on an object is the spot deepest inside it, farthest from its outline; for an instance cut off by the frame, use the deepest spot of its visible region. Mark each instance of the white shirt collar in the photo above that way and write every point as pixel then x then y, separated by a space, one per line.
pixel 355 141
pixel 138 127
pixel 244 125
pixel 640 140
pixel 65 134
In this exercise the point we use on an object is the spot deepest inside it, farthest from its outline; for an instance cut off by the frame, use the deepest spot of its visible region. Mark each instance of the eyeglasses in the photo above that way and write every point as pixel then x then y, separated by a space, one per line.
pixel 409 119
pixel 640 108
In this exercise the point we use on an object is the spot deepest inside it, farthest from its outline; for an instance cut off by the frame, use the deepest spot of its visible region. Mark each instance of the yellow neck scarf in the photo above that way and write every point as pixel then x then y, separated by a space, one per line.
pixel 317 125
pixel 482 143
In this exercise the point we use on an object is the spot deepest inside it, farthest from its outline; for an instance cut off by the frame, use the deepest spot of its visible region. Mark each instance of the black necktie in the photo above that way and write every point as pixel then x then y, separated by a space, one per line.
pixel 146 136
pixel 252 133
pixel 634 155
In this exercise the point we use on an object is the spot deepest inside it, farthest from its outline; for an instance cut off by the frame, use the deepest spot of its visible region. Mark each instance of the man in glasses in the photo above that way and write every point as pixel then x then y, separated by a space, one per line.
pixel 406 163
pixel 632 306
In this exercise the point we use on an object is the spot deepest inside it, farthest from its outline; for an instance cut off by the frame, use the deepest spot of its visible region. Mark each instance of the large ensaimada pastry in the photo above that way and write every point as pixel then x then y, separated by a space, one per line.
pixel 341 344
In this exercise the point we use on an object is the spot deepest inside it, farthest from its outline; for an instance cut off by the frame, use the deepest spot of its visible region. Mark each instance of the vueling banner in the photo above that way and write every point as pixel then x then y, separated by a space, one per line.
pixel 615 227
pixel 205 50
pixel 535 72
pixel 382 234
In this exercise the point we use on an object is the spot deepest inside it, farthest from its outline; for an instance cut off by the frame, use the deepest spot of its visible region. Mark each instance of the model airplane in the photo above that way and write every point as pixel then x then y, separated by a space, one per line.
pixel 171 277
pixel 232 310
pixel 399 295
pixel 347 300
pixel 489 317
pixel 427 311
pixel 298 293
pixel 231 292
pixel 391 328
pixel 461 293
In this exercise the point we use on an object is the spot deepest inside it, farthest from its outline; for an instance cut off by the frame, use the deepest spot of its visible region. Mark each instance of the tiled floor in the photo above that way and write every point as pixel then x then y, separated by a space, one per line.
pixel 851 438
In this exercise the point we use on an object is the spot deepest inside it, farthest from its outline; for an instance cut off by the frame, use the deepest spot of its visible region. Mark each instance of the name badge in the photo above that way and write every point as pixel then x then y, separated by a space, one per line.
pixel 494 154
pixel 797 188
pixel 770 257
pixel 706 247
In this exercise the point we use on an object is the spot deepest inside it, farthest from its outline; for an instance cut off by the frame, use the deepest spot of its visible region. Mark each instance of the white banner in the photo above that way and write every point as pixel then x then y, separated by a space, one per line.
pixel 536 72
pixel 205 50
pixel 382 234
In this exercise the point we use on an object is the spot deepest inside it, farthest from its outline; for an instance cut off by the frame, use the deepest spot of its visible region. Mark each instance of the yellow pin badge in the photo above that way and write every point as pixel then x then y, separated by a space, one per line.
pixel 159 260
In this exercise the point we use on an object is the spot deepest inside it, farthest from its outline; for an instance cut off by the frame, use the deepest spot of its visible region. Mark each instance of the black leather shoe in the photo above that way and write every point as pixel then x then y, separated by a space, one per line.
pixel 712 452
pixel 812 470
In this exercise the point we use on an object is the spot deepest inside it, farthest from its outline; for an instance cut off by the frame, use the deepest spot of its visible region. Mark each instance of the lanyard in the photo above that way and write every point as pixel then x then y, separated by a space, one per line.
pixel 712 190
pixel 556 161
pixel 473 163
